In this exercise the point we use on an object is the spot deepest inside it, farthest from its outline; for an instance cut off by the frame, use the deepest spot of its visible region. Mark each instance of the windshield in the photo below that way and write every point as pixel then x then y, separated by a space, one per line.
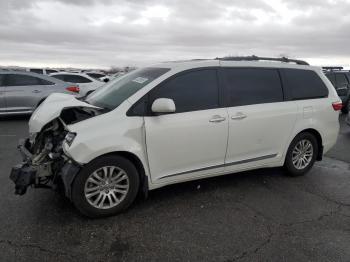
pixel 114 93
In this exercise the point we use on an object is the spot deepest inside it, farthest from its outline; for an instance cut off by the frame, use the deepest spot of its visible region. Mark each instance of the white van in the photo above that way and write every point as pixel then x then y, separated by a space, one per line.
pixel 175 122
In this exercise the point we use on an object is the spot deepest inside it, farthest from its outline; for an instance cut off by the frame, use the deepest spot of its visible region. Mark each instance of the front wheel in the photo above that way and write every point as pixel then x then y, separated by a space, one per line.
pixel 301 154
pixel 106 186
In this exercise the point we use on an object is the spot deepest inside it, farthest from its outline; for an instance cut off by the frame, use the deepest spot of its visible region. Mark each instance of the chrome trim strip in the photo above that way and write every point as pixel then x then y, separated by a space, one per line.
pixel 223 165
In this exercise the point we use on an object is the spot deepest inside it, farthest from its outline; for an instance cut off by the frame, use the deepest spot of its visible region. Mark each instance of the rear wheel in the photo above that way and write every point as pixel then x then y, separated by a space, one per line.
pixel 301 154
pixel 106 186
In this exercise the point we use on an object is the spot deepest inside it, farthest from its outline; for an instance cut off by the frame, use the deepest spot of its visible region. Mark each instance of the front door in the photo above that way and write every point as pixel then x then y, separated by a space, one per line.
pixel 192 141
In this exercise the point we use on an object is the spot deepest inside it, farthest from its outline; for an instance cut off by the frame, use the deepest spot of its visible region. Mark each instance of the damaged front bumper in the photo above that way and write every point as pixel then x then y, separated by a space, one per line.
pixel 23 176
pixel 42 174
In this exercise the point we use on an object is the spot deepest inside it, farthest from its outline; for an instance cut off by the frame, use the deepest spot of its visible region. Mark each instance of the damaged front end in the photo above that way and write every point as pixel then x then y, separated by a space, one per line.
pixel 45 165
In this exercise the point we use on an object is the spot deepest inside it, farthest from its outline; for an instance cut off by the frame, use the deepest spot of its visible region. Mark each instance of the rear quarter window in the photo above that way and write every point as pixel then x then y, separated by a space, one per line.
pixel 303 84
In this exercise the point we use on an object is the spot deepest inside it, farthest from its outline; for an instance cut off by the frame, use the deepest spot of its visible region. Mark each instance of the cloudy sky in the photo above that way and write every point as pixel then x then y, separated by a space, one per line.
pixel 102 33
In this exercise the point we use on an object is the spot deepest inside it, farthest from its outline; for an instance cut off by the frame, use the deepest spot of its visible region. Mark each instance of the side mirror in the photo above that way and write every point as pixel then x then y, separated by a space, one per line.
pixel 163 105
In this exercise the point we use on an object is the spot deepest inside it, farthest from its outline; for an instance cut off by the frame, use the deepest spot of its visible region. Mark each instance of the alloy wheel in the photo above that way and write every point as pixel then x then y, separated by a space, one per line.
pixel 302 154
pixel 106 187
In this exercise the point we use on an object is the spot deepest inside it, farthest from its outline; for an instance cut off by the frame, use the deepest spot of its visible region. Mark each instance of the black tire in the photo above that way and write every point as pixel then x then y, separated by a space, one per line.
pixel 78 193
pixel 288 164
pixel 346 107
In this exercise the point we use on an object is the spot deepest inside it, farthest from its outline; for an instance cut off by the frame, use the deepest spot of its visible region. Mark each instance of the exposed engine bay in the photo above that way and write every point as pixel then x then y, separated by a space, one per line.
pixel 44 163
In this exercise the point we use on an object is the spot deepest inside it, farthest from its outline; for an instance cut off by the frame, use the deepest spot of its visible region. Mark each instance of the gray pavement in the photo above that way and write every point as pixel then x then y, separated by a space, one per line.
pixel 252 216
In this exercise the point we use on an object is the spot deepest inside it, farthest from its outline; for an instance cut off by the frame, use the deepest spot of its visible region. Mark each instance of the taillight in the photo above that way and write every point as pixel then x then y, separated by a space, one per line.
pixel 74 89
pixel 337 106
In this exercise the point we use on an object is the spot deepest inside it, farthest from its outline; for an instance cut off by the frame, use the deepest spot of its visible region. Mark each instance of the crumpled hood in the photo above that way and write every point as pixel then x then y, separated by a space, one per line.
pixel 51 108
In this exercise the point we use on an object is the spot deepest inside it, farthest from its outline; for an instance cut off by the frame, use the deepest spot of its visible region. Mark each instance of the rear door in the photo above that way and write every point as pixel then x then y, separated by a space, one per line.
pixel 260 122
pixel 23 92
pixel 2 95
pixel 192 141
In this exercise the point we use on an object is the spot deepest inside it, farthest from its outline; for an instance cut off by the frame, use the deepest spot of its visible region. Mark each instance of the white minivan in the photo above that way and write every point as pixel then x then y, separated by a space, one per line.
pixel 175 122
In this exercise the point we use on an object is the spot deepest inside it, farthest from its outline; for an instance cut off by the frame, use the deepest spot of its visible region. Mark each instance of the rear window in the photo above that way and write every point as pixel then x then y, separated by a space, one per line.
pixel 247 86
pixel 50 71
pixel 303 84
pixel 60 77
pixel 72 78
pixel 342 81
pixel 38 71
pixel 331 78
pixel 95 75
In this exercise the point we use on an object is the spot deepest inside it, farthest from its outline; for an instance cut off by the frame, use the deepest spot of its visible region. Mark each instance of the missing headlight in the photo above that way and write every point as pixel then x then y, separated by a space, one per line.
pixel 70 138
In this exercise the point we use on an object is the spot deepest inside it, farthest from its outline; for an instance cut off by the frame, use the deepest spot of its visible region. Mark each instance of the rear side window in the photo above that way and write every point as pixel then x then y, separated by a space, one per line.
pixel 60 77
pixel 247 86
pixel 191 91
pixel 24 80
pixel 38 71
pixel 303 84
pixel 76 79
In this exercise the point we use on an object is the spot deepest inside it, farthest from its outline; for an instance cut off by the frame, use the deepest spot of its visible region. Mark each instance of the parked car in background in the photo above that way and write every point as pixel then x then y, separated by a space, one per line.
pixel 43 71
pixel 87 84
pixel 100 76
pixel 117 75
pixel 22 92
pixel 180 121
pixel 341 81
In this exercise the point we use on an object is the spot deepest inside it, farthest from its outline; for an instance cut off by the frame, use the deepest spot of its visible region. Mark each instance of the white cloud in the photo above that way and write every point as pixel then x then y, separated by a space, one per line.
pixel 104 33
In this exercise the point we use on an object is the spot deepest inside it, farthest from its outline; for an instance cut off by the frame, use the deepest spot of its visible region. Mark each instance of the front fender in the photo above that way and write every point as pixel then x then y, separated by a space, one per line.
pixel 118 136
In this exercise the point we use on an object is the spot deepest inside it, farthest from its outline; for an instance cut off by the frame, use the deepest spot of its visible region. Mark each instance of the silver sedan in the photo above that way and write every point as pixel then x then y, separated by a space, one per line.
pixel 22 92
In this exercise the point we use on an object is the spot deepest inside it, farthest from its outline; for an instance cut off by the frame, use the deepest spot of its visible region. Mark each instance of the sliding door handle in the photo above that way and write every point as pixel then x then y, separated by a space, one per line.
pixel 238 116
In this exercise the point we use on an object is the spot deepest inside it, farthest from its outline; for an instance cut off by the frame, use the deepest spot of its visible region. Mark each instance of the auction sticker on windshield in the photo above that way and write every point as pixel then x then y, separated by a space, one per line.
pixel 140 80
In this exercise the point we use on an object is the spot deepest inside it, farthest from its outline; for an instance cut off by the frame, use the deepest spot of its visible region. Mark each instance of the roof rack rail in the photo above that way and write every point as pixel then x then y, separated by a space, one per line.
pixel 258 58
pixel 332 68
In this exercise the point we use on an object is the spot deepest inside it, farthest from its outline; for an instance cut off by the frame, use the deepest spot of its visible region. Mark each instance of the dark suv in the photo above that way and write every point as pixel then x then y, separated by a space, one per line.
pixel 341 81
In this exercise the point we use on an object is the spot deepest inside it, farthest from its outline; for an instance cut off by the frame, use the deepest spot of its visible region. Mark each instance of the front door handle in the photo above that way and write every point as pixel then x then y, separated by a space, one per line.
pixel 238 116
pixel 217 119
pixel 36 91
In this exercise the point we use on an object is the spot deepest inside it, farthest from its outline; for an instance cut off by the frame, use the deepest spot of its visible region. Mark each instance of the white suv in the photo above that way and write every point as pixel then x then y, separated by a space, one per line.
pixel 176 122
